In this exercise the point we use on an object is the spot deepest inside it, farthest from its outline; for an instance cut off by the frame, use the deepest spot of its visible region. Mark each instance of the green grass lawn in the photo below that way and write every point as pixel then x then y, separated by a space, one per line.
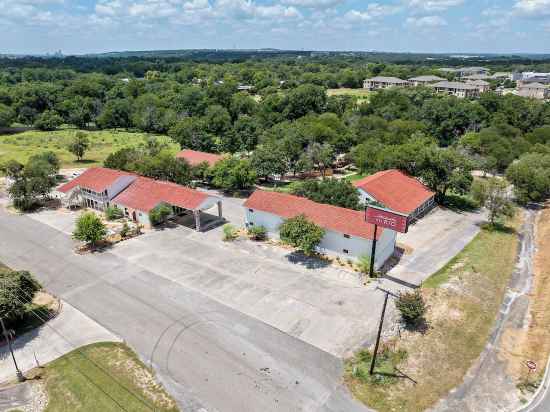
pixel 361 94
pixel 23 145
pixel 463 301
pixel 356 176
pixel 113 376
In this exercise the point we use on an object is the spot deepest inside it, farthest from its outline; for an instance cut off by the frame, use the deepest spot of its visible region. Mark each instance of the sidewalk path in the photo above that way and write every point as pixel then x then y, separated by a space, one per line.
pixel 69 330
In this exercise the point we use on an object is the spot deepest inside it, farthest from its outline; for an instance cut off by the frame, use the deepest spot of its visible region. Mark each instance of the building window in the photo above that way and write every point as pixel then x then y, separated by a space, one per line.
pixel 347 236
pixel 251 223
pixel 345 251
pixel 251 210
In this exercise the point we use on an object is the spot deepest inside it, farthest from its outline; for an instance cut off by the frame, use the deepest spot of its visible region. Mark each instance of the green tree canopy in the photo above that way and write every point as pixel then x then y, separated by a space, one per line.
pixel 301 233
pixel 89 228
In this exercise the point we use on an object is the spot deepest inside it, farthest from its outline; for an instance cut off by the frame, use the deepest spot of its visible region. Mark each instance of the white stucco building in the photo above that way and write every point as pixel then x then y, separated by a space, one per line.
pixel 347 234
pixel 99 187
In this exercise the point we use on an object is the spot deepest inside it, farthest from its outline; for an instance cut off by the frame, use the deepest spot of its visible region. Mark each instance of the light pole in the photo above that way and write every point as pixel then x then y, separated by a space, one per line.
pixel 20 376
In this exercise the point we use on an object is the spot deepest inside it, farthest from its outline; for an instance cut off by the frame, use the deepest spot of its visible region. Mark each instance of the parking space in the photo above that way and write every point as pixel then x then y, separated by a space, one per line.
pixel 432 242
pixel 321 307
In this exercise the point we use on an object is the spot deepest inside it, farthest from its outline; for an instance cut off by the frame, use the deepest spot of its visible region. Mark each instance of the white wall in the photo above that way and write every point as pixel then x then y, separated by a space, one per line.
pixel 333 242
pixel 364 197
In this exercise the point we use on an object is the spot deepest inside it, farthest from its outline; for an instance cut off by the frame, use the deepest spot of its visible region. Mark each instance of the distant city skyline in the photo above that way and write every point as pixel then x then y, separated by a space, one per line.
pixel 431 26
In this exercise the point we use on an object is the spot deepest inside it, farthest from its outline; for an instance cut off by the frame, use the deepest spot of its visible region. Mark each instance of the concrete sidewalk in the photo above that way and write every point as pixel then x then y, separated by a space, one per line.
pixel 69 330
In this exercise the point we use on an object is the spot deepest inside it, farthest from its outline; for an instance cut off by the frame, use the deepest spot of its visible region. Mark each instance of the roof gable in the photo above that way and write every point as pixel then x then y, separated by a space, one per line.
pixel 145 194
pixel 338 219
pixel 97 179
pixel 395 190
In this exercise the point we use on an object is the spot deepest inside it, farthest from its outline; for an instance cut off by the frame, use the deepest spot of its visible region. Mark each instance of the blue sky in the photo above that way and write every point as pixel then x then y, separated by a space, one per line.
pixel 83 26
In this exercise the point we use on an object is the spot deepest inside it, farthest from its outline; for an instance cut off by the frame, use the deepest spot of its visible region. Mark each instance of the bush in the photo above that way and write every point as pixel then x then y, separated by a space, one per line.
pixel 47 121
pixel 229 232
pixel 301 233
pixel 113 213
pixel 17 291
pixel 89 228
pixel 411 307
pixel 125 231
pixel 159 214
pixel 257 233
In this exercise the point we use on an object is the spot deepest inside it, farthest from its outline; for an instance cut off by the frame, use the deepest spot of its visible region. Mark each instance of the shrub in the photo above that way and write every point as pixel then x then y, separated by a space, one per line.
pixel 89 228
pixel 18 290
pixel 159 214
pixel 301 233
pixel 229 232
pixel 125 231
pixel 113 213
pixel 258 233
pixel 412 307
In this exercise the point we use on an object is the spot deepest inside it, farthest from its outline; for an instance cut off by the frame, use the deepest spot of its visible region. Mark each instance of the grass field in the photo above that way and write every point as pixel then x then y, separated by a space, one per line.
pixel 23 145
pixel 101 377
pixel 463 300
pixel 361 94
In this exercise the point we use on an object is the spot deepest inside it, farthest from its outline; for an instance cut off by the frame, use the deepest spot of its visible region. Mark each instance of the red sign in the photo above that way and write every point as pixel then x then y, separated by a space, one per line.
pixel 387 219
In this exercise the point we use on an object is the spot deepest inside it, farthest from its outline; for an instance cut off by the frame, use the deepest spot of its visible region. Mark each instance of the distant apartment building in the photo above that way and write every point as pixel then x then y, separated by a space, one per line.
pixel 457 89
pixel 424 80
pixel 382 82
pixel 481 85
pixel 534 90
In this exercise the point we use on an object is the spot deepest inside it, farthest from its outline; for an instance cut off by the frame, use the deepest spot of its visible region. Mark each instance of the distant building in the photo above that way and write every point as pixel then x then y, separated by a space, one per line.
pixel 475 77
pixel 382 82
pixel 502 76
pixel 534 90
pixel 195 158
pixel 457 89
pixel 425 80
pixel 481 85
pixel 244 87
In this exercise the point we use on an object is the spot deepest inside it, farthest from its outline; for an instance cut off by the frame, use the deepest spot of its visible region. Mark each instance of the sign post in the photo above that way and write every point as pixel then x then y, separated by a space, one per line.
pixel 379 216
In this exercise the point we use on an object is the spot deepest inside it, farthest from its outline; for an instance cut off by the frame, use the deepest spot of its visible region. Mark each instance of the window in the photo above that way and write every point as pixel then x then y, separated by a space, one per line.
pixel 345 251
pixel 251 210
pixel 347 236
pixel 251 223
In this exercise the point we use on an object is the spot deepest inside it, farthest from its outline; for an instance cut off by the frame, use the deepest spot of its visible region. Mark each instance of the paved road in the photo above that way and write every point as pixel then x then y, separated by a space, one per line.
pixel 211 357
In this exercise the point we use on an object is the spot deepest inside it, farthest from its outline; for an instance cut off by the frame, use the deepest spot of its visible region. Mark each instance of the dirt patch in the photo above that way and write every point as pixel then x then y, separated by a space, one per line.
pixel 532 342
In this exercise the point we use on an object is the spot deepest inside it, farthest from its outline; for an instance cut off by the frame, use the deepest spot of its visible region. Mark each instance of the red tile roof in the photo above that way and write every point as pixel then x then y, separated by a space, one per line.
pixel 396 190
pixel 96 178
pixel 145 193
pixel 195 158
pixel 339 219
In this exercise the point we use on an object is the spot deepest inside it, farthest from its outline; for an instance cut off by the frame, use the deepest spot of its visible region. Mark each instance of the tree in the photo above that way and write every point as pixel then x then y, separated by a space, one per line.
pixel 492 194
pixel 269 160
pixel 305 99
pixel 412 307
pixel 116 113
pixel 160 213
pixel 79 145
pixel 330 191
pixel 32 182
pixel 191 133
pixel 123 159
pixel 89 228
pixel 47 121
pixel 7 115
pixel 17 291
pixel 530 175
pixel 164 166
pixel 301 233
pixel 113 213
pixel 320 156
pixel 445 169
pixel 233 174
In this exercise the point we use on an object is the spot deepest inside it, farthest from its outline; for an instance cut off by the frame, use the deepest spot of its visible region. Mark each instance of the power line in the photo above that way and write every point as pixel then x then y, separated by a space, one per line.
pixel 146 404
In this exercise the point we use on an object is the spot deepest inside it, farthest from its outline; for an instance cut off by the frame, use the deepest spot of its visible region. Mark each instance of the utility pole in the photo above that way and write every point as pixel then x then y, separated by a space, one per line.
pixel 20 376
pixel 373 252
pixel 379 333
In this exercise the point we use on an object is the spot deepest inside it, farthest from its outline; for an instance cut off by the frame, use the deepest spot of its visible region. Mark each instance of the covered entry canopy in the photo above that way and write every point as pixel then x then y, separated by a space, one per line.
pixel 144 194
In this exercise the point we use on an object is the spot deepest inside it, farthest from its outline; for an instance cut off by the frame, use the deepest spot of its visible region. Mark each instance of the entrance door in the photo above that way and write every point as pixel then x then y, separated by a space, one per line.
pixel 134 217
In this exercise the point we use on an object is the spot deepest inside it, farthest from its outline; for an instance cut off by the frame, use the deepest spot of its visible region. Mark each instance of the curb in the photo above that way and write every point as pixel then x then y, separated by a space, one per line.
pixel 542 390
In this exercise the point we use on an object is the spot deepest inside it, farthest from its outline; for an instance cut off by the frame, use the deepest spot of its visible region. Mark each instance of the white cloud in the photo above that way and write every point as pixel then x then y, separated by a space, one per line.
pixel 313 4
pixel 372 11
pixel 426 22
pixel 532 8
pixel 433 5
